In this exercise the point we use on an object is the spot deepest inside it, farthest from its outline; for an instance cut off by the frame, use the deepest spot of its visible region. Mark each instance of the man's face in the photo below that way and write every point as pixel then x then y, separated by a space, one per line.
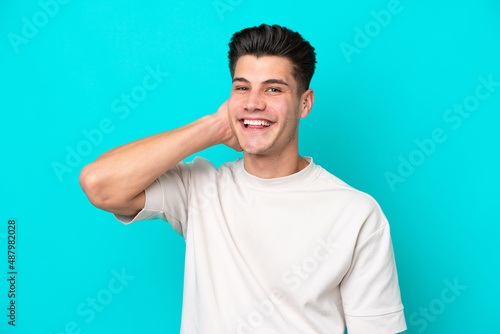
pixel 265 106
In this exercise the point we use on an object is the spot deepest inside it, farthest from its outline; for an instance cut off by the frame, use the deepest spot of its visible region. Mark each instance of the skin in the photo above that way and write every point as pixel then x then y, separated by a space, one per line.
pixel 263 88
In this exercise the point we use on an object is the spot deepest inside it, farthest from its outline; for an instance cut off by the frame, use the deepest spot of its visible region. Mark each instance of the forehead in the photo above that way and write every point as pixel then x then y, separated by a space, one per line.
pixel 264 68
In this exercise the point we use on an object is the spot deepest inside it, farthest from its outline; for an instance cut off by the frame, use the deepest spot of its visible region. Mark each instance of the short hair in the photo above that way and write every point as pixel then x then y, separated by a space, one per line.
pixel 275 40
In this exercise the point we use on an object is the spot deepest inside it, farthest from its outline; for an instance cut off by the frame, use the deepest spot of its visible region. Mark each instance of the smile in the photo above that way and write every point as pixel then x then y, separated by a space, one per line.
pixel 257 123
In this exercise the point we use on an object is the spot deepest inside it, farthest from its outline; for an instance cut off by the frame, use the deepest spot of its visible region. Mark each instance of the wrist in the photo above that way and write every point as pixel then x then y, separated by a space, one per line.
pixel 215 129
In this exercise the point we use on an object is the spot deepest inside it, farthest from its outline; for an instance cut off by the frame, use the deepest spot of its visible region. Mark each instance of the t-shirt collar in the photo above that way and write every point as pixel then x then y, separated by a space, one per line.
pixel 279 183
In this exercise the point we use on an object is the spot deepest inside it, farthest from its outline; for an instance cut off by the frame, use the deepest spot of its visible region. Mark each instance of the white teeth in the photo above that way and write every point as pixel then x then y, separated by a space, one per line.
pixel 256 122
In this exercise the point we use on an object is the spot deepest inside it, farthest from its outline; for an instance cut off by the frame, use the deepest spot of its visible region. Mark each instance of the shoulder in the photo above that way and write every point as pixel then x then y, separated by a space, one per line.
pixel 345 191
pixel 364 212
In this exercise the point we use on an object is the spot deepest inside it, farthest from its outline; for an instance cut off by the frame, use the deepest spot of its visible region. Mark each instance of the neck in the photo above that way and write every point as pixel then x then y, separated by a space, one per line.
pixel 269 167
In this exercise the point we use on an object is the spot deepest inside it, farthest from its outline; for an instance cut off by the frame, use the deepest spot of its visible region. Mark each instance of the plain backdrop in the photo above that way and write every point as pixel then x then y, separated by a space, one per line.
pixel 407 109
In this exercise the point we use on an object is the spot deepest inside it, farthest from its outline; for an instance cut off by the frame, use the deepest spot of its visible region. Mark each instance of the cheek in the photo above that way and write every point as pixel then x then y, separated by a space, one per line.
pixel 279 107
pixel 286 110
pixel 292 119
pixel 233 103
pixel 231 106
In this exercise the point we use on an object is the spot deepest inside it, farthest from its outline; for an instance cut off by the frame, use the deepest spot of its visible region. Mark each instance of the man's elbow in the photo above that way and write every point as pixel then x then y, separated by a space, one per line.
pixel 92 185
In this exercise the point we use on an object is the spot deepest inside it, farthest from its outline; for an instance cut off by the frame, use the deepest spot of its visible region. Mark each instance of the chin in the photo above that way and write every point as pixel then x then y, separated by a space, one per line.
pixel 250 149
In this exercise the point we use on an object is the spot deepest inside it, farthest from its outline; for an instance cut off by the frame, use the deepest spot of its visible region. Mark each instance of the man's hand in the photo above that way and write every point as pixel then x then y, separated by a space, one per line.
pixel 230 138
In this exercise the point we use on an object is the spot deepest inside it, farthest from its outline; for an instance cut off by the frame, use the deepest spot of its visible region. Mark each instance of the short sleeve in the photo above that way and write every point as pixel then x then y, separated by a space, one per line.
pixel 166 199
pixel 370 289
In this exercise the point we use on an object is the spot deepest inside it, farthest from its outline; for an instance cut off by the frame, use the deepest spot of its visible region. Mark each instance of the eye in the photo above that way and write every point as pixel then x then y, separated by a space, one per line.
pixel 242 88
pixel 274 90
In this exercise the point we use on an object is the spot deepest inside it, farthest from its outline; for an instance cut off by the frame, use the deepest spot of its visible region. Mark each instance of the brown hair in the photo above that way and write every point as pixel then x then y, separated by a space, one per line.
pixel 275 40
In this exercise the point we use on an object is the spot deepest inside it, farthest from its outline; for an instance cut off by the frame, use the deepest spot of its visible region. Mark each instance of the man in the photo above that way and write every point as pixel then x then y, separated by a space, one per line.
pixel 274 243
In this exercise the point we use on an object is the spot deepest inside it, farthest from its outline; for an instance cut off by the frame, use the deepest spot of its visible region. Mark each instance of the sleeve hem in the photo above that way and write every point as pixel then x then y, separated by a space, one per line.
pixel 154 200
pixel 374 315
pixel 388 323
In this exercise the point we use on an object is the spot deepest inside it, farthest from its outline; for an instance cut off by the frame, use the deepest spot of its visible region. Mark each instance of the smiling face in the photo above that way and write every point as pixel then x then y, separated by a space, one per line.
pixel 265 106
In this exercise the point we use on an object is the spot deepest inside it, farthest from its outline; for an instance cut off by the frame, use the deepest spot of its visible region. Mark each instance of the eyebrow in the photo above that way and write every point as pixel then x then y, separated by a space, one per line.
pixel 268 81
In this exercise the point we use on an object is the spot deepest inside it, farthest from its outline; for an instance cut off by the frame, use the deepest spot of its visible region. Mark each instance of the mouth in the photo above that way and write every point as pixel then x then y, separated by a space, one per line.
pixel 256 123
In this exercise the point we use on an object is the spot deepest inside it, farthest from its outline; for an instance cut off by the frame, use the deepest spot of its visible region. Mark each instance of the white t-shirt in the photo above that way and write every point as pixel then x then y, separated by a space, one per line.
pixel 304 253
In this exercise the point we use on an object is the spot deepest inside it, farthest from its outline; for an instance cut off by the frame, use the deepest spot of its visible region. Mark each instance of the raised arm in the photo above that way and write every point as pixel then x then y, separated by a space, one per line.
pixel 116 180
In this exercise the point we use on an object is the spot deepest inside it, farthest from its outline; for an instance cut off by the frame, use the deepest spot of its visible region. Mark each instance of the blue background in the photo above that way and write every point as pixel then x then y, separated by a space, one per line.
pixel 66 75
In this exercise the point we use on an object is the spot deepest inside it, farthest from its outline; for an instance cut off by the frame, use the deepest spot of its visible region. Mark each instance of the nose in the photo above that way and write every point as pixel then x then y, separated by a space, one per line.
pixel 255 101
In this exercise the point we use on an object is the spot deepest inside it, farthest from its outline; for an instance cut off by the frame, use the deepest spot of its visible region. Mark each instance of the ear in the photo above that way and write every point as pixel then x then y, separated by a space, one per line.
pixel 306 101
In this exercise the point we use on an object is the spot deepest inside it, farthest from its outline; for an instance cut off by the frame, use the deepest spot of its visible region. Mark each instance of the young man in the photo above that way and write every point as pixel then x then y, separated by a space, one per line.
pixel 274 243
